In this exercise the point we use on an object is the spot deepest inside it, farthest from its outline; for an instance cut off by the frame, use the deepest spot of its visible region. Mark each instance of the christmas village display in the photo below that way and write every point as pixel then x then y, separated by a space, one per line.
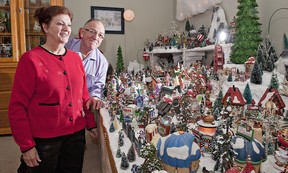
pixel 234 115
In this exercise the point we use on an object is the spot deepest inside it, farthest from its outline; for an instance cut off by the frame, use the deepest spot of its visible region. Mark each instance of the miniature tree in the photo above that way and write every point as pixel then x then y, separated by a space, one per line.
pixel 269 66
pixel 271 50
pixel 202 30
pixel 230 79
pixel 260 56
pixel 187 26
pixel 247 94
pixel 120 139
pixel 131 155
pixel 119 152
pixel 285 41
pixel 256 74
pixel 248 32
pixel 217 103
pixel 124 162
pixel 274 83
pixel 111 128
pixel 152 162
pixel 225 153
pixel 119 63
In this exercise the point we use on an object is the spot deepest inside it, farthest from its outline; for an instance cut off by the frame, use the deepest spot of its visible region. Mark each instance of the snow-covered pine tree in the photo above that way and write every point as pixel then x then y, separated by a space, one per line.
pixel 131 155
pixel 256 74
pixel 225 153
pixel 152 162
pixel 120 139
pixel 230 79
pixel 119 152
pixel 111 128
pixel 247 94
pixel 124 162
pixel 248 32
pixel 217 103
pixel 274 83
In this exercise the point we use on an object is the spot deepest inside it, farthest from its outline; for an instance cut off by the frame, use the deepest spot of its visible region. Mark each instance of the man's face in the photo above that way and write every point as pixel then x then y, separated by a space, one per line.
pixel 93 34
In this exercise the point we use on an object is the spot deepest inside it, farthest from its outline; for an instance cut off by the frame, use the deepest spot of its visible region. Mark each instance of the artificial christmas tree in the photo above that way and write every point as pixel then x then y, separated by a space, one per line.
pixel 248 32
pixel 131 155
pixel 119 63
pixel 119 152
pixel 256 74
pixel 124 162
pixel 111 128
pixel 247 94
pixel 274 83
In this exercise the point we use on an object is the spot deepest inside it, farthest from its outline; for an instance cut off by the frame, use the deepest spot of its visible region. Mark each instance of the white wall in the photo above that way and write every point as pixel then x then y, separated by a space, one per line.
pixel 151 18
pixel 155 16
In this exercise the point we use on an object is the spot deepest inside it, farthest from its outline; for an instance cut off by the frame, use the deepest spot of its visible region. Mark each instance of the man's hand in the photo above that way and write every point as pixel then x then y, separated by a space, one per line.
pixel 94 103
pixel 31 157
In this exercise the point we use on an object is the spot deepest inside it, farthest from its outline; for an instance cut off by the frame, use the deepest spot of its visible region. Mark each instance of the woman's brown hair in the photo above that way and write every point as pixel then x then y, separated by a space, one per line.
pixel 45 14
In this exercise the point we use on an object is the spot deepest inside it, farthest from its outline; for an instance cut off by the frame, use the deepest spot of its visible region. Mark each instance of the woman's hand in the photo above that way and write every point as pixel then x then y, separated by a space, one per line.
pixel 94 103
pixel 31 157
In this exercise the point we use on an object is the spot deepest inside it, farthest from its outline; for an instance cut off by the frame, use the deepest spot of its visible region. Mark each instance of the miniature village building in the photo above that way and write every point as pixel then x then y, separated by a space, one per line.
pixel 151 130
pixel 272 102
pixel 281 156
pixel 248 67
pixel 218 58
pixel 204 132
pixel 234 97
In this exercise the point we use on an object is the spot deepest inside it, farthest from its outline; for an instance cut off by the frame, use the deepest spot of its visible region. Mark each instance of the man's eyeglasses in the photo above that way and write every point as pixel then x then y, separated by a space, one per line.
pixel 93 32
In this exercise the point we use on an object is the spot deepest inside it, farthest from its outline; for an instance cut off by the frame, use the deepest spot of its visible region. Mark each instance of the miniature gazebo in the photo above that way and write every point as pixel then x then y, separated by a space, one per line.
pixel 246 146
pixel 179 153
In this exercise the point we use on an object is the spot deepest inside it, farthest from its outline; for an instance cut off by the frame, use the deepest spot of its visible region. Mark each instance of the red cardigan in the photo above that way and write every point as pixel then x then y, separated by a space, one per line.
pixel 48 97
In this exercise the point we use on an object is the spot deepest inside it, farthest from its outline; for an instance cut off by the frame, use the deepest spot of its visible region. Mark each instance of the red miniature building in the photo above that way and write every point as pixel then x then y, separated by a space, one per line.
pixel 218 58
pixel 272 95
pixel 249 66
pixel 235 96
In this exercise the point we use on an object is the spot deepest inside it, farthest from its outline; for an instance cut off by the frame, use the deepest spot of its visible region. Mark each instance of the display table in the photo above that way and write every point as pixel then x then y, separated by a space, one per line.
pixel 109 146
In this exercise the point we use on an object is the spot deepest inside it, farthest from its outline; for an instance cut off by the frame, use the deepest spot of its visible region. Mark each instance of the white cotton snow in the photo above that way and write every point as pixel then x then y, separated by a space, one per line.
pixel 239 143
pixel 194 148
pixel 255 148
pixel 178 152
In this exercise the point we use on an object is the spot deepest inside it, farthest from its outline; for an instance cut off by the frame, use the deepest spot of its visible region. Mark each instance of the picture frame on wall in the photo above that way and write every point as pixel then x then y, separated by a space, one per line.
pixel 111 17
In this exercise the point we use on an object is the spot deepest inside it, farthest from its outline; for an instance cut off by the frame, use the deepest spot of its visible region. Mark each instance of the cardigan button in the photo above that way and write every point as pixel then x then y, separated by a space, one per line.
pixel 71 119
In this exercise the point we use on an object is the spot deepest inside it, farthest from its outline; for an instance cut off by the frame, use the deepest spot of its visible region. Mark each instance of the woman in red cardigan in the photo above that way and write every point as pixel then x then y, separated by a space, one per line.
pixel 49 103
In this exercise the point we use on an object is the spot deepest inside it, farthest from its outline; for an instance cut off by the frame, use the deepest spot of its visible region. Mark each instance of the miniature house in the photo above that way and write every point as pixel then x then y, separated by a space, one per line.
pixel 234 96
pixel 151 130
pixel 272 101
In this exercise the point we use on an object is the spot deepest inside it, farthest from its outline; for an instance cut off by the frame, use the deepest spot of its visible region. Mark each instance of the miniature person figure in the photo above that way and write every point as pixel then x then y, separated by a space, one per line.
pixel 158 87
